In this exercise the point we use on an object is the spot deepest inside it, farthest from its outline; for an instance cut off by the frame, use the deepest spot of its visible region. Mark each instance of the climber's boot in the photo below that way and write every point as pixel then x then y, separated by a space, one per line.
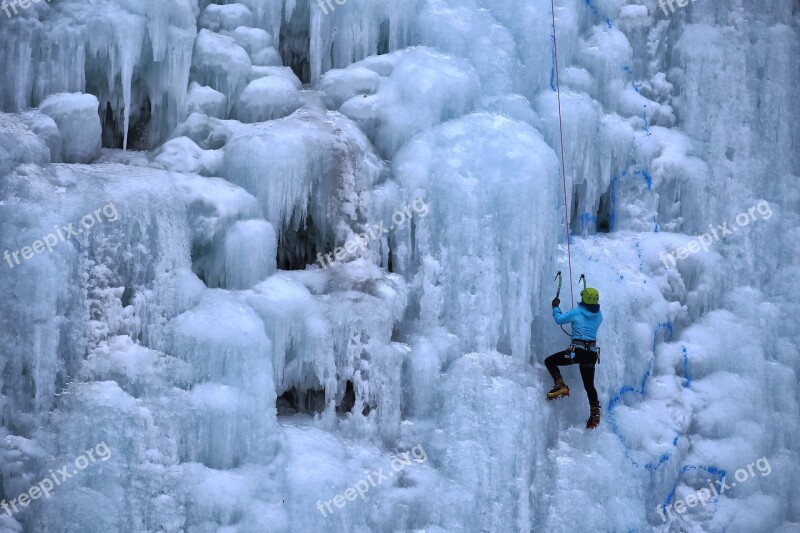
pixel 594 418
pixel 558 391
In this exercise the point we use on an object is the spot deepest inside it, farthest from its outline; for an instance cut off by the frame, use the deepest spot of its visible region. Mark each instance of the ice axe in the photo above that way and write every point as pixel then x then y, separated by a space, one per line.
pixel 558 277
pixel 558 293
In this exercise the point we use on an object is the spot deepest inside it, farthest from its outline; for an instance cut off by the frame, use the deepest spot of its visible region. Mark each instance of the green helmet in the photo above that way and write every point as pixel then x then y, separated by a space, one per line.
pixel 590 296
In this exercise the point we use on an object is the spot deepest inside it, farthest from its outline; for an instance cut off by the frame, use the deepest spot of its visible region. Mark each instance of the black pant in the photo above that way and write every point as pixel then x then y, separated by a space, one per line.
pixel 586 359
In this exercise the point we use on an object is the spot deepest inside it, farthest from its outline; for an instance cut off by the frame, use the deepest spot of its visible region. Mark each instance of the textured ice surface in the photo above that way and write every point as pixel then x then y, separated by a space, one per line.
pixel 481 251
pixel 267 98
pixel 221 64
pixel 78 126
pixel 46 128
pixel 205 100
pixel 225 17
pixel 19 143
pixel 242 257
pixel 183 155
pixel 437 87
pixel 133 56
pixel 241 386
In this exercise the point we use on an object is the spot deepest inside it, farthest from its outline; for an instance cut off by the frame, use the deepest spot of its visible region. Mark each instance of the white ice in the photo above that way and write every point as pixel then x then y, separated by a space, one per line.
pixel 235 327
pixel 78 126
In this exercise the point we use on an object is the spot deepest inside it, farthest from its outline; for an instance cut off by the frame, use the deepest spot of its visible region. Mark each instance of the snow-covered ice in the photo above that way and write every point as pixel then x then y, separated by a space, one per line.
pixel 78 126
pixel 244 383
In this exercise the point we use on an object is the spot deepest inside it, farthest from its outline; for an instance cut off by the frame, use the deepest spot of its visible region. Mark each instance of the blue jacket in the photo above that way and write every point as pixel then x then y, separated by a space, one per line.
pixel 585 321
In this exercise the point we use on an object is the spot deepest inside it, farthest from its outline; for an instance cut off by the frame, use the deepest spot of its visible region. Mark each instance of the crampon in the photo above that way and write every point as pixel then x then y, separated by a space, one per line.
pixel 594 418
pixel 559 391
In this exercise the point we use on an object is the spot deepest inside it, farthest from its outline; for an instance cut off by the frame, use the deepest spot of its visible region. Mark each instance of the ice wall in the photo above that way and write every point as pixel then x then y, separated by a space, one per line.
pixel 246 343
pixel 133 56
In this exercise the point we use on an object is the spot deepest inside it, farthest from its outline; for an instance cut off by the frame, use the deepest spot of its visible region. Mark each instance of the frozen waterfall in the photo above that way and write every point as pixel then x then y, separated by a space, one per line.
pixel 286 265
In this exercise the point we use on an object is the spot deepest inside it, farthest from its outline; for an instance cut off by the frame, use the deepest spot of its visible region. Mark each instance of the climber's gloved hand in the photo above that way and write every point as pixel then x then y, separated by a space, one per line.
pixel 556 302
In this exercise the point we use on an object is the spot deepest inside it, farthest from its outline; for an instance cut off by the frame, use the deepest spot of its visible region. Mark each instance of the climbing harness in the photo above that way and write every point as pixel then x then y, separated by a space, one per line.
pixel 563 167
pixel 590 346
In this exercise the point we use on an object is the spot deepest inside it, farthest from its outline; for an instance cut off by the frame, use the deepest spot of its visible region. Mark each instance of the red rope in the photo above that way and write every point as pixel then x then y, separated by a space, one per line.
pixel 563 167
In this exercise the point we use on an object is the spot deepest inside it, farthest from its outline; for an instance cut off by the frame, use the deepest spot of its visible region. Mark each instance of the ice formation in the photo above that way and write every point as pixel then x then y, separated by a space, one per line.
pixel 75 116
pixel 262 249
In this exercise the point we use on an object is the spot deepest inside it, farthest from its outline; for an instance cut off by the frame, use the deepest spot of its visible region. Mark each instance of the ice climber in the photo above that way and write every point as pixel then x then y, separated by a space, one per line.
pixel 583 350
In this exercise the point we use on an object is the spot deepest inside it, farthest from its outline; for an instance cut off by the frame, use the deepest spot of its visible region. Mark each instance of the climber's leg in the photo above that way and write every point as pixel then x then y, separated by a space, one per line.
pixel 552 363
